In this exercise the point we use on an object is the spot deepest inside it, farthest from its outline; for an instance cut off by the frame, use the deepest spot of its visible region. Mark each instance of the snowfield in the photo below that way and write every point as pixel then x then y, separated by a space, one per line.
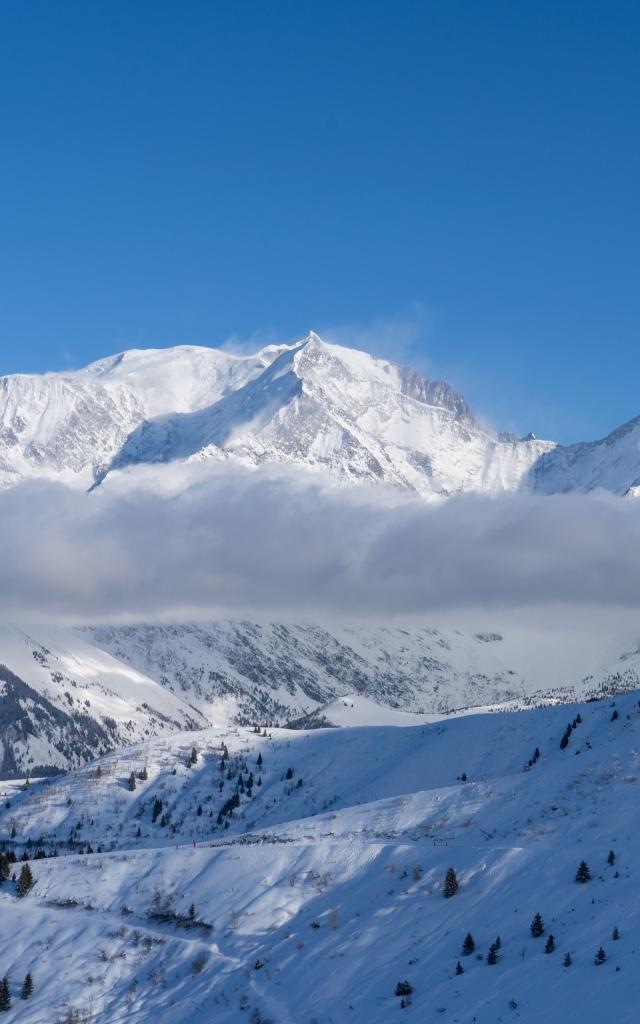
pixel 326 888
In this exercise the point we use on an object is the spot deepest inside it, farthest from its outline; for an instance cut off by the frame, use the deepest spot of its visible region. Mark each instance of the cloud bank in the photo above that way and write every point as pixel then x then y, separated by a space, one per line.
pixel 232 542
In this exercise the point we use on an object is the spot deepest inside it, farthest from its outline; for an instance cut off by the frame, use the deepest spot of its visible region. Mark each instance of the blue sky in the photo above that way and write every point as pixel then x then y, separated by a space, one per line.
pixel 454 183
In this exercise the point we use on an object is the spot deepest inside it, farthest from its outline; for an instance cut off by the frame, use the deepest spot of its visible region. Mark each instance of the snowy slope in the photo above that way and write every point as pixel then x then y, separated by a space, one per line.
pixel 68 426
pixel 64 701
pixel 335 893
pixel 275 672
pixel 612 464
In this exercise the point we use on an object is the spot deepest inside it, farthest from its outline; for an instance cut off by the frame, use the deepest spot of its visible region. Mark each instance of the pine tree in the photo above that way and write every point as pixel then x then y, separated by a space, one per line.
pixel 611 859
pixel 192 912
pixel 537 927
pixel 27 986
pixel 550 944
pixel 468 946
pixel 492 956
pixel 25 882
pixel 259 761
pixel 194 756
pixel 132 782
pixel 144 774
pixel 583 874
pixel 451 884
pixel 5 867
pixel 614 716
pixel 459 968
pixel 615 935
pixel 498 943
pixel 5 994
pixel 600 957
pixel 567 960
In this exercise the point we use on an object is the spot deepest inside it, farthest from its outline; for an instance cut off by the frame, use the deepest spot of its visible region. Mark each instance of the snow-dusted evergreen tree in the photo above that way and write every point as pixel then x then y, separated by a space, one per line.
pixel 468 946
pixel 550 944
pixel 583 874
pixel 537 926
pixel 132 782
pixel 492 955
pixel 611 859
pixel 459 968
pixel 615 935
pixel 600 957
pixel 5 994
pixel 567 960
pixel 27 986
pixel 25 881
pixel 451 884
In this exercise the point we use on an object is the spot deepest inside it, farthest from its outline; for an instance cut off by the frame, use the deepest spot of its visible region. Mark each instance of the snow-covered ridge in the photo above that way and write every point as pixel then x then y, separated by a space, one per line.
pixel 336 409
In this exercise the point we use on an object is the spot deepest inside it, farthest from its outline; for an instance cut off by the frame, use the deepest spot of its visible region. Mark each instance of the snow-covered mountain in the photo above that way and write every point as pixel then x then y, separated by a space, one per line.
pixel 63 701
pixel 299 877
pixel 357 417
pixel 276 672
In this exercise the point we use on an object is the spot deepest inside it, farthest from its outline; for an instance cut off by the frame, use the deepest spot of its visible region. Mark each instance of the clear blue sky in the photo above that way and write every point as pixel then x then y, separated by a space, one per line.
pixel 180 172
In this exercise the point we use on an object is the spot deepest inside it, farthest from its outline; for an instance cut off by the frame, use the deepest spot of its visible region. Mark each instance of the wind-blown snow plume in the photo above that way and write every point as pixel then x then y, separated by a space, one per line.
pixel 233 541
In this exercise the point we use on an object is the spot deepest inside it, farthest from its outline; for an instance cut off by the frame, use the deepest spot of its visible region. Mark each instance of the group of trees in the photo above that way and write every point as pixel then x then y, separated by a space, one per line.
pixel 567 733
pixel 5 991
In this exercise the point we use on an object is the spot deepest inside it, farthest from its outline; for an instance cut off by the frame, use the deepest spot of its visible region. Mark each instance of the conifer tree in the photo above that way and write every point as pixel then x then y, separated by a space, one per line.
pixel 144 774
pixel 25 881
pixel 498 943
pixel 615 935
pixel 459 968
pixel 583 874
pixel 259 761
pixel 550 944
pixel 492 956
pixel 567 960
pixel 451 884
pixel 611 859
pixel 132 782
pixel 468 946
pixel 600 957
pixel 194 756
pixel 5 994
pixel 537 927
pixel 27 986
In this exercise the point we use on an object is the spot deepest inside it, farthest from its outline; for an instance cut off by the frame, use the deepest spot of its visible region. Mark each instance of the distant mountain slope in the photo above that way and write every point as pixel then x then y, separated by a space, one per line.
pixel 276 672
pixel 64 702
pixel 70 425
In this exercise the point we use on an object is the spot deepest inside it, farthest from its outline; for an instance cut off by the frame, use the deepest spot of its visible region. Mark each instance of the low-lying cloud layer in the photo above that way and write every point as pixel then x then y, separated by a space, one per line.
pixel 274 545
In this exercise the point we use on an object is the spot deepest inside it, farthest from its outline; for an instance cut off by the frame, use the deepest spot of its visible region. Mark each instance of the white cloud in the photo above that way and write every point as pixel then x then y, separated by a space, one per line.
pixel 212 540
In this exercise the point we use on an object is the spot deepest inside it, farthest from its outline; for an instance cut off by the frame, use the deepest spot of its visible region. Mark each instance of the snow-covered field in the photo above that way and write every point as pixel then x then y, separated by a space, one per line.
pixel 325 890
